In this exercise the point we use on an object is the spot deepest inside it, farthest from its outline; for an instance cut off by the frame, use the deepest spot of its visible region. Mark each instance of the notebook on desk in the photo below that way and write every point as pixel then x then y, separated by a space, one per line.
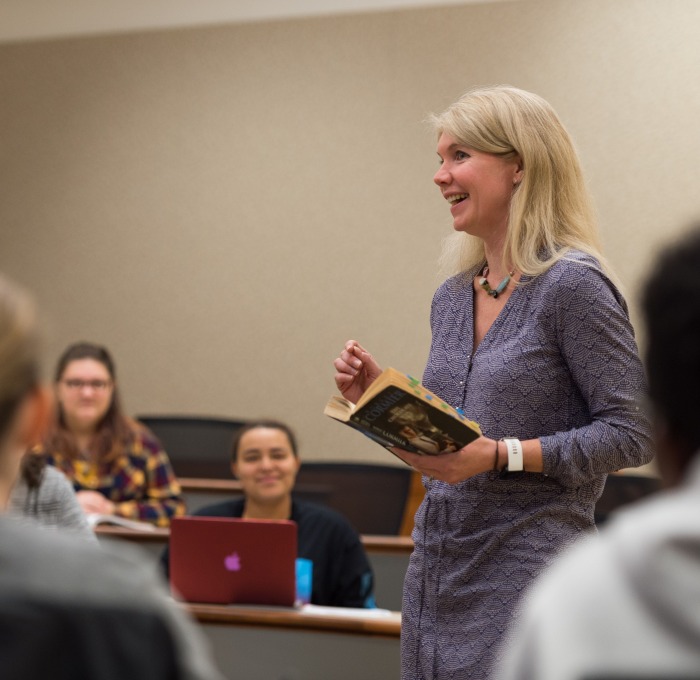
pixel 221 560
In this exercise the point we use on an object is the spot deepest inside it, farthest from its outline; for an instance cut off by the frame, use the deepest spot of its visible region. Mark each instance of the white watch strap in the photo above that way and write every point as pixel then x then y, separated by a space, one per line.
pixel 515 455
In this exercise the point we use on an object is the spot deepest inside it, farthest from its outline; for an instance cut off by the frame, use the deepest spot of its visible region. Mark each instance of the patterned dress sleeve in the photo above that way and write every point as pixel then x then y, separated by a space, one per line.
pixel 596 340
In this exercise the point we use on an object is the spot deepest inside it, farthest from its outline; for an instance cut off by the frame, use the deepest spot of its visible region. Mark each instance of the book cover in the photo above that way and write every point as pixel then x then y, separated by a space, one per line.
pixel 398 411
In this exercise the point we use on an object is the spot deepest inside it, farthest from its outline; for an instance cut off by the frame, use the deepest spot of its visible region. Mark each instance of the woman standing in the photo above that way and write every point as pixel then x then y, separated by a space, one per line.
pixel 531 338
pixel 116 465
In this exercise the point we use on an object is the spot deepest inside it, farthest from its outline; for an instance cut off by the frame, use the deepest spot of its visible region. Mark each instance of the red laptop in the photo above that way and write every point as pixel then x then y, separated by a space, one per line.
pixel 233 561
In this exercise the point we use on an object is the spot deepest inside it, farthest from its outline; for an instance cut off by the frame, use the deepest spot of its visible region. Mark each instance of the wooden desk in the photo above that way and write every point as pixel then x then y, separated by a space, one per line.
pixel 200 492
pixel 160 537
pixel 380 623
pixel 259 643
pixel 387 554
pixel 396 545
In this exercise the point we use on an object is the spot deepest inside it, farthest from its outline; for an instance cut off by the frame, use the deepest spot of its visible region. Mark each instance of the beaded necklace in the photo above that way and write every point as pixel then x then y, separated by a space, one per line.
pixel 494 292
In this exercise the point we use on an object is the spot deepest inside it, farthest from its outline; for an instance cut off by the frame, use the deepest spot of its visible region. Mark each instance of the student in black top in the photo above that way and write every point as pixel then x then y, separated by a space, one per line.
pixel 265 460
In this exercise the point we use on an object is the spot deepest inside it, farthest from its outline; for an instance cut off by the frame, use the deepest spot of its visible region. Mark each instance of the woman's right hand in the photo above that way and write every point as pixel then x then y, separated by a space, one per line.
pixel 355 370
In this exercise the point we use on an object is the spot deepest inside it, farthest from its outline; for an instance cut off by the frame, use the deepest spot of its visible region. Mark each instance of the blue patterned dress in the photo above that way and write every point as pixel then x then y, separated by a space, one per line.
pixel 560 364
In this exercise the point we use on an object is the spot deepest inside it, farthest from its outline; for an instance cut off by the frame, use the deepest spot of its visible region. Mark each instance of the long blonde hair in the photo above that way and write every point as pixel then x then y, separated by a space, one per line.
pixel 19 350
pixel 551 211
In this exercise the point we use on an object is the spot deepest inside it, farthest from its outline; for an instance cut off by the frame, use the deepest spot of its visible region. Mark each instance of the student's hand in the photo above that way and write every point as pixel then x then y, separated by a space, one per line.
pixel 94 501
pixel 356 370
pixel 478 456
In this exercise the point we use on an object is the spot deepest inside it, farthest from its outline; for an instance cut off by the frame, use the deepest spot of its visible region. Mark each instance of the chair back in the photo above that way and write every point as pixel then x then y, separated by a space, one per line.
pixel 197 446
pixel 622 489
pixel 67 640
pixel 372 497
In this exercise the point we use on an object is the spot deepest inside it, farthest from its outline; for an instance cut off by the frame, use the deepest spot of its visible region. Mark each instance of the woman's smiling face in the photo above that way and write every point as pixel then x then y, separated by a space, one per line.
pixel 266 465
pixel 478 186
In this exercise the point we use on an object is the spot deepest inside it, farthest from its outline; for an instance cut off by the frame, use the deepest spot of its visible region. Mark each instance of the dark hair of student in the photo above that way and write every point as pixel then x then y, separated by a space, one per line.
pixel 671 304
pixel 269 424
pixel 113 432
pixel 32 469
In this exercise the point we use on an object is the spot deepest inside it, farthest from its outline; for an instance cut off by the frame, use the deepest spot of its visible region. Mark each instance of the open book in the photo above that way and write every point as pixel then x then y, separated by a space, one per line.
pixel 396 410
pixel 95 518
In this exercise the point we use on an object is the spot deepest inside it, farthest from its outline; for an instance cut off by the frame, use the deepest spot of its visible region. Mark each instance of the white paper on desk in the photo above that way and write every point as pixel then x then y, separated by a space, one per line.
pixel 95 518
pixel 349 612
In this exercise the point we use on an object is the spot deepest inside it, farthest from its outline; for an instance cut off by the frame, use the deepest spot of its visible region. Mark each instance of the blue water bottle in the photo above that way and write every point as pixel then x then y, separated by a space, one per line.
pixel 304 572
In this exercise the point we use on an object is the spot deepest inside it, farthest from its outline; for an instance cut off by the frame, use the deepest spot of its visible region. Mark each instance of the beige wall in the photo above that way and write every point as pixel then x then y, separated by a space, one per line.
pixel 224 207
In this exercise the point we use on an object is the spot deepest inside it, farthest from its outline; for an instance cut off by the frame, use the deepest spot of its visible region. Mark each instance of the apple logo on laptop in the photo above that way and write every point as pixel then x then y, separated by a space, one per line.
pixel 232 562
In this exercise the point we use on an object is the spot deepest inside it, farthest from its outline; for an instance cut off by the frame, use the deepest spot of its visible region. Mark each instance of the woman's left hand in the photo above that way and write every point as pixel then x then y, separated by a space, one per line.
pixel 477 457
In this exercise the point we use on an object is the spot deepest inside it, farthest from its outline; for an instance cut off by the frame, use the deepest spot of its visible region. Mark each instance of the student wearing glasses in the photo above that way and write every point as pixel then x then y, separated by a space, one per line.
pixel 116 465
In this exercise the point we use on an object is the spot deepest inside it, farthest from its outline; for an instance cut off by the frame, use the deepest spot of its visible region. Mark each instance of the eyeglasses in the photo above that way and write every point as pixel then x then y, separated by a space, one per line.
pixel 95 385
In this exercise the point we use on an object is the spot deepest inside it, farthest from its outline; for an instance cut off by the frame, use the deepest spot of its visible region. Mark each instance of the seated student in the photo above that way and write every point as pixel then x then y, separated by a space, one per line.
pixel 44 495
pixel 70 609
pixel 265 460
pixel 626 604
pixel 116 465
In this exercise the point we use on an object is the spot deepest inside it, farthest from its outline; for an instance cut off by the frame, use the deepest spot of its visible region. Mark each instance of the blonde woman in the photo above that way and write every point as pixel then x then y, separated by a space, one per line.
pixel 531 338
